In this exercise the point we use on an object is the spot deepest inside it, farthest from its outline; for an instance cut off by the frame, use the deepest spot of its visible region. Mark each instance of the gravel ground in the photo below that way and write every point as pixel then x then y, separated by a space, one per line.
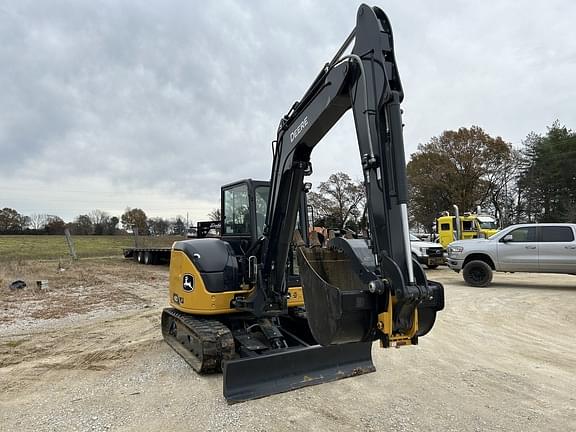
pixel 499 359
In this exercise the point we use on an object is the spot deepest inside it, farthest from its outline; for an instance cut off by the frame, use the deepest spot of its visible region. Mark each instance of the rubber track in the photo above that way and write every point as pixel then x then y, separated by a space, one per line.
pixel 214 337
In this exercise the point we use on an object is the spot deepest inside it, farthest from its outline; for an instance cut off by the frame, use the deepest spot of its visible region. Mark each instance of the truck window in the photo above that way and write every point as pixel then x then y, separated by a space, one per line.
pixel 468 225
pixel 557 234
pixel 236 210
pixel 524 234
pixel 491 225
pixel 445 227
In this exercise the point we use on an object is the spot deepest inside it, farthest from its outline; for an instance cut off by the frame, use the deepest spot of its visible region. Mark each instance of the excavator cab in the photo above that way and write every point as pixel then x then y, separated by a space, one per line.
pixel 244 205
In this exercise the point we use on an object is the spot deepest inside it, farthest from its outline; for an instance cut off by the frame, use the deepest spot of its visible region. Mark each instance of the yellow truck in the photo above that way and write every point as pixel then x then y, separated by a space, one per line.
pixel 463 227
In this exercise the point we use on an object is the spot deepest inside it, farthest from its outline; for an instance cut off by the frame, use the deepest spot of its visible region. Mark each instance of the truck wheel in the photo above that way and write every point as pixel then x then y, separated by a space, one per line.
pixel 140 257
pixel 477 273
pixel 148 258
pixel 432 266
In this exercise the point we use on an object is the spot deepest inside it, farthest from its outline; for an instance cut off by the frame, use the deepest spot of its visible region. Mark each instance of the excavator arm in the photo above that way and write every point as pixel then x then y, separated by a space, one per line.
pixel 367 82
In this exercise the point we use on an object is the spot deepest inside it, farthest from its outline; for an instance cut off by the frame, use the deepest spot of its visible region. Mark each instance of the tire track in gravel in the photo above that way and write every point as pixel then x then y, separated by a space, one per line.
pixel 95 346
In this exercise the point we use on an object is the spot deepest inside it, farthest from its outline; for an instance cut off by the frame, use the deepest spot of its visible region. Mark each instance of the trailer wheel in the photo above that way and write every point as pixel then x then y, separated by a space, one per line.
pixel 477 273
pixel 148 258
pixel 140 257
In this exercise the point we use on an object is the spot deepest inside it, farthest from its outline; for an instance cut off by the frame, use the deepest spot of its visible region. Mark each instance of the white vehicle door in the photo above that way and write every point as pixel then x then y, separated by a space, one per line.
pixel 520 251
pixel 557 249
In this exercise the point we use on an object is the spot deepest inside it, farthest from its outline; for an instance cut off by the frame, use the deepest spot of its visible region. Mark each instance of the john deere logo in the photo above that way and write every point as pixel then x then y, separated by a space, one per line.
pixel 188 283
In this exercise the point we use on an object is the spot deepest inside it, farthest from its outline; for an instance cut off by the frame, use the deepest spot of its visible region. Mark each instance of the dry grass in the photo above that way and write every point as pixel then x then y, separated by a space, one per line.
pixel 76 287
pixel 32 247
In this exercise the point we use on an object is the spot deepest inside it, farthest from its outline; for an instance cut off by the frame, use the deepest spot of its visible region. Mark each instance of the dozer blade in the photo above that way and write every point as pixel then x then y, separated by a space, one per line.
pixel 256 377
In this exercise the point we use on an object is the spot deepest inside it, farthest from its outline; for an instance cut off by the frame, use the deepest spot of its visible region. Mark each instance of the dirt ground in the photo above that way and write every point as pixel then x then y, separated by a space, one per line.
pixel 87 354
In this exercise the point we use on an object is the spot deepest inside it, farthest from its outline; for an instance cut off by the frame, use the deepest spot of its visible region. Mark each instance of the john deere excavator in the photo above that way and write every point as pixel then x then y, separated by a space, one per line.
pixel 272 322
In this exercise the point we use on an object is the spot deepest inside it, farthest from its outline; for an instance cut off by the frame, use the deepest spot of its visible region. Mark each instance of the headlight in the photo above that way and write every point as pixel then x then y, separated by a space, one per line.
pixel 454 250
pixel 423 250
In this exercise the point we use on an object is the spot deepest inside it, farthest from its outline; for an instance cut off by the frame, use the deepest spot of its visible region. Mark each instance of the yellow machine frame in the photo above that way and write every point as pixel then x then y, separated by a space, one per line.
pixel 199 300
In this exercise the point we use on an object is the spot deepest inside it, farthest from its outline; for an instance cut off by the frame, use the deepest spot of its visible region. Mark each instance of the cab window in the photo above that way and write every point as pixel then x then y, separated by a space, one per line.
pixel 557 234
pixel 236 210
pixel 524 234
pixel 488 225
pixel 261 208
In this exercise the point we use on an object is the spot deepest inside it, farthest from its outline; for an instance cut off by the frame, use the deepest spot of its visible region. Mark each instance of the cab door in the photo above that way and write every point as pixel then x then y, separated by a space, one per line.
pixel 557 249
pixel 518 250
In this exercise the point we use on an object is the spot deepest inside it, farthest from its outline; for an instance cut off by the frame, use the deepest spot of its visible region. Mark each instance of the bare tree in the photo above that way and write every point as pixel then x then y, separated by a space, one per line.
pixel 215 215
pixel 98 217
pixel 38 221
pixel 338 200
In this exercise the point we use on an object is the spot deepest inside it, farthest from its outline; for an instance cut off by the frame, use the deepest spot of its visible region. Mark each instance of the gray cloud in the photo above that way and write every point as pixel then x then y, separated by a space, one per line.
pixel 178 97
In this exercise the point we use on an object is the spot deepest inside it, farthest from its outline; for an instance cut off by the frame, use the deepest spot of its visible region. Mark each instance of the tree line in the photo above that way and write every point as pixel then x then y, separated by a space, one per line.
pixel 533 183
pixel 466 167
pixel 96 222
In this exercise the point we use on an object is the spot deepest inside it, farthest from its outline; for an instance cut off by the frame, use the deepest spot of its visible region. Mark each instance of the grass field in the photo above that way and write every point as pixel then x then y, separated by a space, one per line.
pixel 27 247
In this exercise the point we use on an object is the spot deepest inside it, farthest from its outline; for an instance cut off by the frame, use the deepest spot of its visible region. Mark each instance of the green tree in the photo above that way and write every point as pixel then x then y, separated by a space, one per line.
pixel 548 179
pixel 338 201
pixel 11 221
pixel 460 167
pixel 110 225
pixel 158 226
pixel 179 227
pixel 135 218
pixel 82 225
pixel 54 225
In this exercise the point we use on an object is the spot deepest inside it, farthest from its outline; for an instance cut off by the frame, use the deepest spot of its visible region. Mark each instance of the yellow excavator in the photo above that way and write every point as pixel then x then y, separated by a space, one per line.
pixel 273 314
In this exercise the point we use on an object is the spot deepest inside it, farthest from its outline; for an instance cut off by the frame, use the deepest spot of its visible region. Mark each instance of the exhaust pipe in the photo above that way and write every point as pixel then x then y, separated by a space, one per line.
pixel 457 222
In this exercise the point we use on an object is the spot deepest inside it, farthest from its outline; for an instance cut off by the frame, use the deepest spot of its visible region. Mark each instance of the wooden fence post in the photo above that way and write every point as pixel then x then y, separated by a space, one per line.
pixel 70 244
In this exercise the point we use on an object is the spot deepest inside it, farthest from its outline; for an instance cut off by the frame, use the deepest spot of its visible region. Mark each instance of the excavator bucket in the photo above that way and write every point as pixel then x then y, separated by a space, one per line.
pixel 340 314
pixel 339 308
pixel 293 368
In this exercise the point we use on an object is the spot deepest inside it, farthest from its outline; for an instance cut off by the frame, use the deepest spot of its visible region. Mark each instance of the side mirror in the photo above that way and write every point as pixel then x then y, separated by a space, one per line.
pixel 507 238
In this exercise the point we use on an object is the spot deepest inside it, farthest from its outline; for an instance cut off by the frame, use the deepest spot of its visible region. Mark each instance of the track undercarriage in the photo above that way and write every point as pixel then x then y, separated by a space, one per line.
pixel 261 357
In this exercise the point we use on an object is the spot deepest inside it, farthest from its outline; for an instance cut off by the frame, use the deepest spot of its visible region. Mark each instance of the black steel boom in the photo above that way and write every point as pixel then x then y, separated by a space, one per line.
pixel 366 81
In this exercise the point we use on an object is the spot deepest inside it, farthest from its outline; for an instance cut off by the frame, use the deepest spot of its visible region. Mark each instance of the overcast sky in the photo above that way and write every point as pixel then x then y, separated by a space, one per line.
pixel 155 104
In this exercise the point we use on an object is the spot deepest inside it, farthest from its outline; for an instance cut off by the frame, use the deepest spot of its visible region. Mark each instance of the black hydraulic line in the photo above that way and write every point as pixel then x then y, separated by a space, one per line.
pixel 343 48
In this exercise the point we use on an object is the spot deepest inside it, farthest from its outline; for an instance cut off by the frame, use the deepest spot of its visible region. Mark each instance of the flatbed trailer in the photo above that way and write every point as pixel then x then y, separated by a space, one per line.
pixel 148 255
pixel 161 255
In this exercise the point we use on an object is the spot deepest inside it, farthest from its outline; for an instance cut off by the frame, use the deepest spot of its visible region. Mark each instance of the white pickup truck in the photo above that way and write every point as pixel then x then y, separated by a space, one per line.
pixel 537 248
pixel 426 253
